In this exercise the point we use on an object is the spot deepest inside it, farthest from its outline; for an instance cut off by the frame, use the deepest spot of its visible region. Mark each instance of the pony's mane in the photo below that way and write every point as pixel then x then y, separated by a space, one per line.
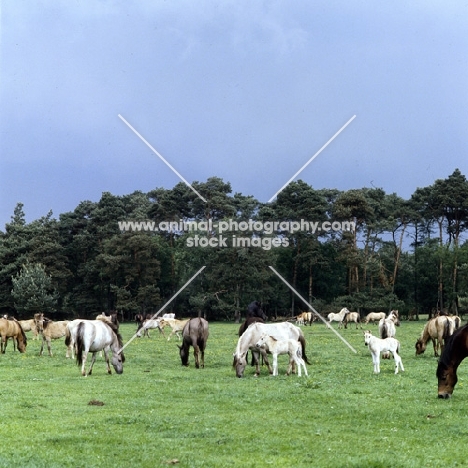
pixel 108 321
pixel 115 329
pixel 46 322
pixel 22 333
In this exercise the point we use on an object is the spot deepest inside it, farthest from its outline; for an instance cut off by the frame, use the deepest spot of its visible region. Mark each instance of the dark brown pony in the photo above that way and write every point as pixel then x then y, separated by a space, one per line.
pixel 254 309
pixel 455 350
pixel 195 333
pixel 12 329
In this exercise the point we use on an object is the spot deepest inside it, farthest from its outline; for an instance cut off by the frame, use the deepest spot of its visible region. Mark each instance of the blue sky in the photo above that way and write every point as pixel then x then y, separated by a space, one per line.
pixel 244 90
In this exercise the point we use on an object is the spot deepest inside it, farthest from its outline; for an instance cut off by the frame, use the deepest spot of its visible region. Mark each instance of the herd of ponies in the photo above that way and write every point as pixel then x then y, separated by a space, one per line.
pixel 449 339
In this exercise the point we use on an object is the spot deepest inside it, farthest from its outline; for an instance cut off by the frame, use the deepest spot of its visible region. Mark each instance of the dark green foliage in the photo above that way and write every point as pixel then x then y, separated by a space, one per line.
pixel 405 254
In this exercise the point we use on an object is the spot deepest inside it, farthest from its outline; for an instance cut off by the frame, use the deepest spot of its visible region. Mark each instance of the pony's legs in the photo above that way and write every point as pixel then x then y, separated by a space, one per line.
pixel 4 343
pixel 301 362
pixel 106 357
pixel 376 361
pixel 398 362
pixel 83 365
pixel 275 364
pixel 48 346
pixel 93 359
pixel 42 346
pixel 70 348
pixel 196 354
pixel 298 365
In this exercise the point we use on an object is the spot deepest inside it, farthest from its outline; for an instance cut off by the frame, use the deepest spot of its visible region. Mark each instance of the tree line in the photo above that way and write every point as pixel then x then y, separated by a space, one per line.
pixel 405 254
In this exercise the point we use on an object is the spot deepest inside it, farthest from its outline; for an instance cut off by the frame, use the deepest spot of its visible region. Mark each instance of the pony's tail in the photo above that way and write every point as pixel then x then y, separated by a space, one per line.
pixel 79 343
pixel 303 347
pixel 67 337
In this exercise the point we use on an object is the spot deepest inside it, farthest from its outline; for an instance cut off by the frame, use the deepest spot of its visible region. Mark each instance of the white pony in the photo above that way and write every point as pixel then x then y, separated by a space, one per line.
pixel 276 347
pixel 337 317
pixel 377 346
pixel 93 336
pixel 150 324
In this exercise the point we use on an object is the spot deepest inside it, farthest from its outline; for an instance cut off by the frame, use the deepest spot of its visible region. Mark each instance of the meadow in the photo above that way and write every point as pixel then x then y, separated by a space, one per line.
pixel 158 413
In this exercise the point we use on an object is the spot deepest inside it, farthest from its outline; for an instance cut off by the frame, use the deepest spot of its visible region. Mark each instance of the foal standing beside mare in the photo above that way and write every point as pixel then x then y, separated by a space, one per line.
pixel 281 331
pixel 195 333
pixel 276 347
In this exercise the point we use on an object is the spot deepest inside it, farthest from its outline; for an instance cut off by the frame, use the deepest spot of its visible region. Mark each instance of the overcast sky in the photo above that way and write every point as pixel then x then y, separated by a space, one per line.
pixel 246 90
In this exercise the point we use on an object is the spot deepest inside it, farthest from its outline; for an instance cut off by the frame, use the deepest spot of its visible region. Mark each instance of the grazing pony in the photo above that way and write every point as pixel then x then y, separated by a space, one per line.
pixel 140 318
pixel 337 317
pixel 12 329
pixel 352 317
pixel 455 350
pixel 377 346
pixel 374 317
pixel 150 324
pixel 248 321
pixel 276 347
pixel 195 334
pixel 93 336
pixel 52 331
pixel 437 329
pixel 281 331
pixel 304 318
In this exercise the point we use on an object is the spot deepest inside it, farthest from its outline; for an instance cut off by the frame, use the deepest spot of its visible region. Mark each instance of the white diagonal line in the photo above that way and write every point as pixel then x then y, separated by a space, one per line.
pixel 160 157
pixel 312 158
pixel 165 305
pixel 311 308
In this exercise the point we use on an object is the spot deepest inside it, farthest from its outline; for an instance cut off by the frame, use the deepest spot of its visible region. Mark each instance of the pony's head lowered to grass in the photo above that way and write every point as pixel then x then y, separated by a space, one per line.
pixel 455 350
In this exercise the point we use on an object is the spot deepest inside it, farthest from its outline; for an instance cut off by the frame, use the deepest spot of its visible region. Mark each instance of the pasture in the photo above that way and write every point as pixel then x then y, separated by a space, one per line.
pixel 158 413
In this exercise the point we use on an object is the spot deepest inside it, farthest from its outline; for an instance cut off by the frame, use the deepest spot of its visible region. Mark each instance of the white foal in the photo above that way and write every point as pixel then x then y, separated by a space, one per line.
pixel 377 346
pixel 275 347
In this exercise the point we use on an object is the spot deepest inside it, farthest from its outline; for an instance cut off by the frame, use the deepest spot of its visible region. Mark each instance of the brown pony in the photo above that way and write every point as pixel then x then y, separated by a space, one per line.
pixel 437 329
pixel 52 331
pixel 455 350
pixel 352 317
pixel 195 333
pixel 12 329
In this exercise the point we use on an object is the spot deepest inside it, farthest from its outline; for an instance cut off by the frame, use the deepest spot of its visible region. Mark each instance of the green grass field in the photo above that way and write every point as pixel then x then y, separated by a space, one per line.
pixel 158 412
